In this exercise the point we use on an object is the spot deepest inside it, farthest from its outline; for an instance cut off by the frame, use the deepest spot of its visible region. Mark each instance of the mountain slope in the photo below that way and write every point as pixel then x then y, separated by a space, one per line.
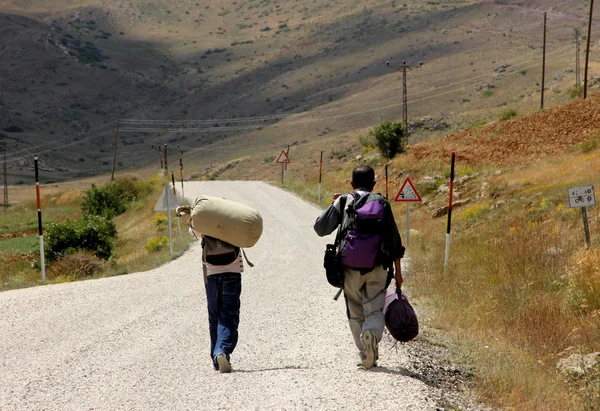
pixel 306 69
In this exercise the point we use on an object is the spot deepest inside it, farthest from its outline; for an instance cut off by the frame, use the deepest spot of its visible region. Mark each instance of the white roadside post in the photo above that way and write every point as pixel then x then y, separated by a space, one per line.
pixel 169 219
pixel 447 256
pixel 582 197
pixel 39 212
pixel 175 194
pixel 407 194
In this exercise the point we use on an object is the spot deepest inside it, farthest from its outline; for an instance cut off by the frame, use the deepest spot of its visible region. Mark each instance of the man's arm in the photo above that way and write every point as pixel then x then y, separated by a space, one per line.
pixel 393 242
pixel 398 274
pixel 329 220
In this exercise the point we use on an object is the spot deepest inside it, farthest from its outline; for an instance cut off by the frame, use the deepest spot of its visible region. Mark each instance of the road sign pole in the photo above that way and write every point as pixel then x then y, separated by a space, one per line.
pixel 407 224
pixel 586 227
pixel 283 174
pixel 386 181
pixel 582 197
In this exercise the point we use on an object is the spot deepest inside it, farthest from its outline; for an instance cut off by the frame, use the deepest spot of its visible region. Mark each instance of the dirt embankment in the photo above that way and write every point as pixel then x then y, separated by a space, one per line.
pixel 550 132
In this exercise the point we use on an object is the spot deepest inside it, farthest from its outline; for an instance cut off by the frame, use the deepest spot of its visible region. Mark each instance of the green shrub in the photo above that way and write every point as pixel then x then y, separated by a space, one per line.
pixel 588 146
pixel 95 233
pixel 160 220
pixel 114 198
pixel 367 140
pixel 508 114
pixel 157 243
pixel 390 138
pixel 576 92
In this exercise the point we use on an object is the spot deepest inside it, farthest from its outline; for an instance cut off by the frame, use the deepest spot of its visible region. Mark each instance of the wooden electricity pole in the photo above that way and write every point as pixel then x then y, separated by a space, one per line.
pixel 544 65
pixel 587 51
pixel 112 176
pixel 404 69
pixel 577 62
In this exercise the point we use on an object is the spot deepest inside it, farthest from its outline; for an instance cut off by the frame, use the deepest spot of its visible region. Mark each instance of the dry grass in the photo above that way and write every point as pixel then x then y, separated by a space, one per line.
pixel 521 290
pixel 136 227
pixel 77 266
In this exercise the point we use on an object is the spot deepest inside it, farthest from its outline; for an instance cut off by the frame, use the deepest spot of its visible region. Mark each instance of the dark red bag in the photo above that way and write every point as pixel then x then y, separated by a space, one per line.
pixel 401 319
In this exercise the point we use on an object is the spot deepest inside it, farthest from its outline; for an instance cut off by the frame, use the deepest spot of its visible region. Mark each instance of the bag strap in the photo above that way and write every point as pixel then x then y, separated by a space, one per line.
pixel 204 266
pixel 338 236
pixel 246 258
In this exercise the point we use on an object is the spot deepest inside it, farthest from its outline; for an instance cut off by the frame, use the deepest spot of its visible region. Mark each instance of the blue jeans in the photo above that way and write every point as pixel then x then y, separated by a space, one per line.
pixel 223 297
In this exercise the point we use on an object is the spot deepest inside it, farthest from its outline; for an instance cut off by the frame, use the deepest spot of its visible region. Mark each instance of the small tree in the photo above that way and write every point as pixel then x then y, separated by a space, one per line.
pixel 390 137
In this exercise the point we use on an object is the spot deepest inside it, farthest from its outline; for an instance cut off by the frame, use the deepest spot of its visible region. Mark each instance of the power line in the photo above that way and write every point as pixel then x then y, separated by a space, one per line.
pixel 30 151
pixel 58 142
pixel 210 121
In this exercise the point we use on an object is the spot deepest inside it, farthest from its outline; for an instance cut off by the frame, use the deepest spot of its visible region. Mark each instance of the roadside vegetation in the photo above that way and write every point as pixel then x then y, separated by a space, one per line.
pixel 522 290
pixel 100 231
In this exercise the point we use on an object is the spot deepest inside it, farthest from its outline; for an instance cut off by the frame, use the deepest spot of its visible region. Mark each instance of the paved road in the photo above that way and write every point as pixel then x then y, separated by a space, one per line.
pixel 140 341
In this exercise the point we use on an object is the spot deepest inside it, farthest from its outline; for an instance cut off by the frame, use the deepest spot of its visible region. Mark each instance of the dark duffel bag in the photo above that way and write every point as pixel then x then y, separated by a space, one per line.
pixel 401 319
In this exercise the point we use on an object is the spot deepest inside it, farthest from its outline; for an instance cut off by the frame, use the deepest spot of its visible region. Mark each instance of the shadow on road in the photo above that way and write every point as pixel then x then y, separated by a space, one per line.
pixel 404 372
pixel 291 367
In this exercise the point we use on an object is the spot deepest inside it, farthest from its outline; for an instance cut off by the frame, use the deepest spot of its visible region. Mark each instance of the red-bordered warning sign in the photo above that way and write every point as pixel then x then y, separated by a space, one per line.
pixel 283 158
pixel 408 193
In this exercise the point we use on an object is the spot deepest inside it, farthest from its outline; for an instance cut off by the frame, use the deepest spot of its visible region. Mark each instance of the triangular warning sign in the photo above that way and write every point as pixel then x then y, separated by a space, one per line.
pixel 283 158
pixel 408 193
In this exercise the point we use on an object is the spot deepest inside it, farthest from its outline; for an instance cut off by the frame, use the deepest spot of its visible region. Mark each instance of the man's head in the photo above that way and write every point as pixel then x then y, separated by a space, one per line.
pixel 363 177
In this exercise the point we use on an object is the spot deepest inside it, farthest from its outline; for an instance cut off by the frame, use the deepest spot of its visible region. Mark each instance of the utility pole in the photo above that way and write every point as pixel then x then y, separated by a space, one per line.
pixel 160 154
pixel 587 51
pixel 577 63
pixel 166 169
pixel 543 65
pixel 404 69
pixel 181 174
pixel 112 176
pixel 5 179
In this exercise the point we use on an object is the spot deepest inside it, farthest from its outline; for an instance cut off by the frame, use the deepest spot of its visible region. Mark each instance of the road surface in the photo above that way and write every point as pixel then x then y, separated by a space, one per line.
pixel 140 341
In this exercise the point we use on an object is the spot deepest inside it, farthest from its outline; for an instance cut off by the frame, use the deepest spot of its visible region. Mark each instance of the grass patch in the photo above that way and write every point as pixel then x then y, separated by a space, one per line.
pixel 24 245
pixel 19 256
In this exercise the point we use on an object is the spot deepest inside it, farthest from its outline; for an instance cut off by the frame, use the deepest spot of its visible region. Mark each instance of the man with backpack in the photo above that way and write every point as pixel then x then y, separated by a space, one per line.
pixel 369 248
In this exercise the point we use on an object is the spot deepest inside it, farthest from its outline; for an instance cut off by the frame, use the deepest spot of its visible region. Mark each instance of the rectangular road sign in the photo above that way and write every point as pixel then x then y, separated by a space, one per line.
pixel 581 196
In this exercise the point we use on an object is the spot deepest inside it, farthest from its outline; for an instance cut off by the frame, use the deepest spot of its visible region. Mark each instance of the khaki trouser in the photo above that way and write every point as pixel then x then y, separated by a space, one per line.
pixel 365 297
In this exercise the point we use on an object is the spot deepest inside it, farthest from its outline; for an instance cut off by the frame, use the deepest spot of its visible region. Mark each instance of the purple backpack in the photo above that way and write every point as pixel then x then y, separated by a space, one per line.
pixel 363 239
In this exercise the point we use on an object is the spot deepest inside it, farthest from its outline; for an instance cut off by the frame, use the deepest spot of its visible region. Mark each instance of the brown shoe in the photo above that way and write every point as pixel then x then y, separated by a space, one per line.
pixel 370 349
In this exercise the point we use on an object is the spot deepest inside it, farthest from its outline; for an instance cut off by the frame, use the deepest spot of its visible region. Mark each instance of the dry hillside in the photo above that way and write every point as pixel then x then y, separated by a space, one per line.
pixel 270 73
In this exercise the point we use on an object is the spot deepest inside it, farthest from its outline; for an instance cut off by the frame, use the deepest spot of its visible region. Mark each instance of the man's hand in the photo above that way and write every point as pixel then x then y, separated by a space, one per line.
pixel 335 197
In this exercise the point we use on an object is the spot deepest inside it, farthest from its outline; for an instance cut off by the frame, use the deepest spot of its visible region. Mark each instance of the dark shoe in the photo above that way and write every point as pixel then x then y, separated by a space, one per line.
pixel 224 365
pixel 370 349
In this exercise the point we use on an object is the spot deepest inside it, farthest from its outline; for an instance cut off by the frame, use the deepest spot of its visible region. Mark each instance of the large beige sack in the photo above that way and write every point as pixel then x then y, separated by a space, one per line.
pixel 227 220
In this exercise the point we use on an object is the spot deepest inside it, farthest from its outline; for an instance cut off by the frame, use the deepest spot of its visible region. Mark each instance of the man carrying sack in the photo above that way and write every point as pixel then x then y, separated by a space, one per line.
pixel 223 227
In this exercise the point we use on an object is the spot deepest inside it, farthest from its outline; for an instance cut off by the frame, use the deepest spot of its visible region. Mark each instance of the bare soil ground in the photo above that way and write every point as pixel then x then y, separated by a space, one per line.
pixel 551 132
